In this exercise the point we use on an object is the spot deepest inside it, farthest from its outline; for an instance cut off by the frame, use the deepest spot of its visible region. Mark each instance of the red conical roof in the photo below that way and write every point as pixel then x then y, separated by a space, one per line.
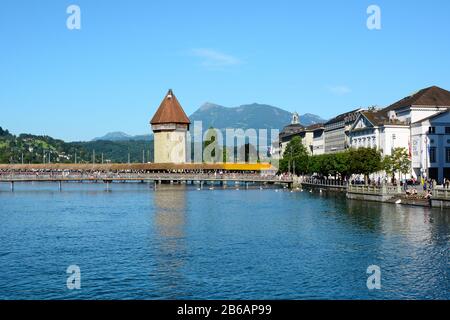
pixel 170 111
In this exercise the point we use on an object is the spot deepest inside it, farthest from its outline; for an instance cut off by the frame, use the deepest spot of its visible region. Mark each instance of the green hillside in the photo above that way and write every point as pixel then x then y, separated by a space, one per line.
pixel 29 148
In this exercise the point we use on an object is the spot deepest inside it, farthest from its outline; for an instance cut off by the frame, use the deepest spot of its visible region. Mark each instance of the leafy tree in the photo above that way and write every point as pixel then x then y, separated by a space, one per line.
pixel 4 133
pixel 342 164
pixel 388 166
pixel 397 162
pixel 364 161
pixel 295 157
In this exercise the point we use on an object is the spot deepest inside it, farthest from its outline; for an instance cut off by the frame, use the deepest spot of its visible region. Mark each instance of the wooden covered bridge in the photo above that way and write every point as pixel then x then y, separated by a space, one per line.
pixel 149 172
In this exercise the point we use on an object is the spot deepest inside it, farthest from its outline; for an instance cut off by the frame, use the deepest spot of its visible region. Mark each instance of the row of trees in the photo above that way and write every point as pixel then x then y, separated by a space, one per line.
pixel 363 161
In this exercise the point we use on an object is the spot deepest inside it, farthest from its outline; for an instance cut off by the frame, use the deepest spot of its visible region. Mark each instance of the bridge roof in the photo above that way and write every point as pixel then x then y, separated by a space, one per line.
pixel 170 111
pixel 141 166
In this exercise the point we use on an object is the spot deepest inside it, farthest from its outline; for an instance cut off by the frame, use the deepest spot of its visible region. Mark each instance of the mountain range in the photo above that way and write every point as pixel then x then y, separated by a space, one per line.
pixel 257 116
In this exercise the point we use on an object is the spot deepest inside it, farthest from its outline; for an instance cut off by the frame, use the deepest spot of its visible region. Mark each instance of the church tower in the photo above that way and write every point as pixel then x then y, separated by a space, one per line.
pixel 169 125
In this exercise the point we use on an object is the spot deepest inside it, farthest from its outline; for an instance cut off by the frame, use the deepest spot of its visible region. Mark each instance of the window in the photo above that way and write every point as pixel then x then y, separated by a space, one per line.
pixel 447 155
pixel 432 130
pixel 432 154
pixel 447 130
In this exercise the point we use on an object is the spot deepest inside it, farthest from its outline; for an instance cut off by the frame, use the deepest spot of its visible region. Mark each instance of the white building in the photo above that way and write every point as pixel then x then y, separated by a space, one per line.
pixel 420 123
pixel 375 129
pixel 431 146
pixel 421 105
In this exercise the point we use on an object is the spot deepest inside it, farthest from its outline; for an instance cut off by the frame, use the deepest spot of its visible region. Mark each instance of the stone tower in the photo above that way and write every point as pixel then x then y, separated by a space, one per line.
pixel 169 125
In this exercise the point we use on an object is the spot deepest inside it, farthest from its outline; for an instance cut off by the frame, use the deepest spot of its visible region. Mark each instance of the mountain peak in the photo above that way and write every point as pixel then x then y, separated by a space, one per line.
pixel 115 135
pixel 209 105
pixel 254 115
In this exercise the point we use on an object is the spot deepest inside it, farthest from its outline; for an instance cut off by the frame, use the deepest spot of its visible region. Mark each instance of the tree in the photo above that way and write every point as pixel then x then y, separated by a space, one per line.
pixel 295 157
pixel 4 133
pixel 364 161
pixel 342 164
pixel 397 162
pixel 388 166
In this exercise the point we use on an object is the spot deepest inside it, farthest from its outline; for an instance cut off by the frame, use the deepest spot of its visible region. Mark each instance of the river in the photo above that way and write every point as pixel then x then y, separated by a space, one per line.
pixel 178 242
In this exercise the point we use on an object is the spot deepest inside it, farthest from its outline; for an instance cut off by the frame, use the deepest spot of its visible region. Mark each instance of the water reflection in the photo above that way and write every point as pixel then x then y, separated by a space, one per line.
pixel 420 223
pixel 170 239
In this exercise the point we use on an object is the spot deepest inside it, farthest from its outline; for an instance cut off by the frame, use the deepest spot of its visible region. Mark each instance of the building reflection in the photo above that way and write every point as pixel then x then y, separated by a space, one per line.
pixel 416 224
pixel 169 222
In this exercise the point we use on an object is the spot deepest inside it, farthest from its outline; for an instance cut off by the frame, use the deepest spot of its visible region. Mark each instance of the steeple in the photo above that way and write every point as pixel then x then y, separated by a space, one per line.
pixel 295 118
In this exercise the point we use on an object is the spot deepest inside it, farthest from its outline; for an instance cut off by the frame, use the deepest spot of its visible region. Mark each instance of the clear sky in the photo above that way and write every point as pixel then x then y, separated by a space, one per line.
pixel 305 56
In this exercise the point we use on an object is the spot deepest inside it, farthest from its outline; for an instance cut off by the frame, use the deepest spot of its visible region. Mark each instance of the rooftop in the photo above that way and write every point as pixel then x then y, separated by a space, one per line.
pixel 429 97
pixel 170 111
pixel 343 116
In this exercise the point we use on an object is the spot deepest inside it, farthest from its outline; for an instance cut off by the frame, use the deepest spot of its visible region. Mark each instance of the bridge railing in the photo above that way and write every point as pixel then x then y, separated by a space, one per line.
pixel 140 176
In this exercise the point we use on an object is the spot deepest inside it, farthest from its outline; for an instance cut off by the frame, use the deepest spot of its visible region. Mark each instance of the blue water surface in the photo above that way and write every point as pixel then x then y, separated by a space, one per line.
pixel 177 242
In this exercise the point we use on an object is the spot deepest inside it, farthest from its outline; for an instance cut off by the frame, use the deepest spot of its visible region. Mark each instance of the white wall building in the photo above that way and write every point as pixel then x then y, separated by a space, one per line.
pixel 374 129
pixel 431 146
pixel 420 123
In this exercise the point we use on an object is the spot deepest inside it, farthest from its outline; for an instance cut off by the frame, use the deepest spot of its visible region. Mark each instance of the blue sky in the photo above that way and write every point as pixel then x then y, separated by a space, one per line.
pixel 305 56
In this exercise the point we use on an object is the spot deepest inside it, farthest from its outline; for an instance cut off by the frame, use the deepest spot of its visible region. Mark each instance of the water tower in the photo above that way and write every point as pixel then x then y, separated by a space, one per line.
pixel 170 125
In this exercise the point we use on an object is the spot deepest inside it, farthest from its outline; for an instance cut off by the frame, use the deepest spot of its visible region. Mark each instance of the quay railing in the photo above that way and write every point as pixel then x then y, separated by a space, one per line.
pixel 324 182
pixel 441 193
pixel 374 189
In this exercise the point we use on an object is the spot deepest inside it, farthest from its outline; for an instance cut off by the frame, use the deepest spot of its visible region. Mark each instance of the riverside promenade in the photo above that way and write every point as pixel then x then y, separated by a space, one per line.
pixel 440 197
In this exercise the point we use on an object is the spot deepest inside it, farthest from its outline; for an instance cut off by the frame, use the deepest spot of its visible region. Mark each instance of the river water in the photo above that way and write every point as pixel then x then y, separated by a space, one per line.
pixel 182 243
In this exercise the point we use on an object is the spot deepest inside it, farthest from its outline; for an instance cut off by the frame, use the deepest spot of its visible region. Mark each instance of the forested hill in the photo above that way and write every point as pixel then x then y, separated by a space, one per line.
pixel 28 148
